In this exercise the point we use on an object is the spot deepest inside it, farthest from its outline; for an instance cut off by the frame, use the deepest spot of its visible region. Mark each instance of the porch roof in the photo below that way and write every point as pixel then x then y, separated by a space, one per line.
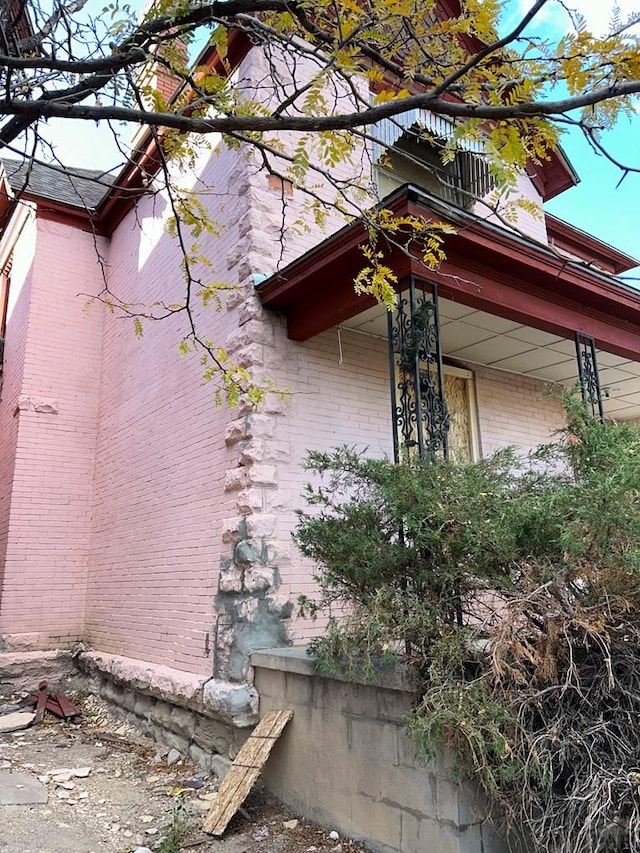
pixel 487 268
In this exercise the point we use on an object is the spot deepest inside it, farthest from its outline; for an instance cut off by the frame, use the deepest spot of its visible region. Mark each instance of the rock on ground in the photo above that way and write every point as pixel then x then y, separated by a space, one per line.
pixel 15 721
pixel 109 792
pixel 18 788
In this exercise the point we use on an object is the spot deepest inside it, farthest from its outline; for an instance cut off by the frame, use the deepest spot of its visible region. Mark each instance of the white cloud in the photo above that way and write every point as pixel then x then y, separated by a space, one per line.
pixel 599 14
pixel 554 19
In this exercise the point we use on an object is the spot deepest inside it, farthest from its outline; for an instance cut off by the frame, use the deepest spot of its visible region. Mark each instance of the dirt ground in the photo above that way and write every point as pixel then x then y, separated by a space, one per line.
pixel 131 798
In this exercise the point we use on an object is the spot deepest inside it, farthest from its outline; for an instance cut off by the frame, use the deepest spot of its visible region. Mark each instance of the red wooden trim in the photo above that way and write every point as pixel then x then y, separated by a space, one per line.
pixel 131 183
pixel 20 26
pixel 238 46
pixel 486 268
pixel 537 307
pixel 83 220
pixel 487 292
pixel 586 246
pixel 552 177
pixel 499 296
pixel 146 160
pixel 5 285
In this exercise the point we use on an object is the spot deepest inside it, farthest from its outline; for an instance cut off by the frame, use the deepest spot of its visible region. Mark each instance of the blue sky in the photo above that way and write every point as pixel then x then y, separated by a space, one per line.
pixel 597 204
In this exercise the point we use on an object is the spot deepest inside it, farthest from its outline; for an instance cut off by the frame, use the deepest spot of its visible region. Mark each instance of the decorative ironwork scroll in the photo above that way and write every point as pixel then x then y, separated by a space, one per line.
pixel 588 373
pixel 418 406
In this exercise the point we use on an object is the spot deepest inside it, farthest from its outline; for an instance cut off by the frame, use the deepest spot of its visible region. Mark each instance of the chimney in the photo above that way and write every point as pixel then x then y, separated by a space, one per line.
pixel 155 76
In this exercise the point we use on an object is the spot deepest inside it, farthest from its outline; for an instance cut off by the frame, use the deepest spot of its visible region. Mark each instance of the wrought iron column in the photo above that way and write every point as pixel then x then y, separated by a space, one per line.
pixel 418 407
pixel 588 373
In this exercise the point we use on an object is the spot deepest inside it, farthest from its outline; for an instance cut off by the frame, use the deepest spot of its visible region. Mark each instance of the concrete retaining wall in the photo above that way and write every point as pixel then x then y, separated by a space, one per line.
pixel 345 762
pixel 205 719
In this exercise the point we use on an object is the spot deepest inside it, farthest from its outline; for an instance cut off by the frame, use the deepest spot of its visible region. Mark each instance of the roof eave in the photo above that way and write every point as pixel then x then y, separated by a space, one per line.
pixel 588 247
pixel 482 258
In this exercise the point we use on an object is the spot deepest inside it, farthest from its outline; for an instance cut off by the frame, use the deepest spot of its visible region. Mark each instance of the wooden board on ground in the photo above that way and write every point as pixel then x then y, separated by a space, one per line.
pixel 244 771
pixel 41 702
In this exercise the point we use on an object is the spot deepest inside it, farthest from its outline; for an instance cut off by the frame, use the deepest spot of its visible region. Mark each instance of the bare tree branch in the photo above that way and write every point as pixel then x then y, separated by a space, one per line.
pixel 325 88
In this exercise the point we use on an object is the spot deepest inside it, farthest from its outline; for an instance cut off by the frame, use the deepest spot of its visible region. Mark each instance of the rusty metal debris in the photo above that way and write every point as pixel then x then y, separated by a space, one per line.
pixel 55 703
pixel 41 704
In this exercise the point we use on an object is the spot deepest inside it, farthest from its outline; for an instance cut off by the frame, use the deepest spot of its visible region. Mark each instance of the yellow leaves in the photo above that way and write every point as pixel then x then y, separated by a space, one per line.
pixel 508 141
pixel 329 149
pixel 482 16
pixel 211 293
pixel 406 33
pixel 414 226
pixel 315 211
pixel 191 211
pixel 384 96
pixel 377 279
pixel 210 82
pixel 315 101
pixel 300 165
pixel 403 8
pixel 334 147
pixel 154 98
pixel 414 235
pixel 576 75
pixel 510 209
pixel 375 73
pixel 530 206
pixel 220 40
pixel 520 92
pixel 510 146
pixel 344 7
pixel 234 383
pixel 391 95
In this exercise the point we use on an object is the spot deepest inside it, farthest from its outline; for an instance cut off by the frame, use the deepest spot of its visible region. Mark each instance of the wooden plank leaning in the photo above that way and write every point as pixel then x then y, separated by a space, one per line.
pixel 244 771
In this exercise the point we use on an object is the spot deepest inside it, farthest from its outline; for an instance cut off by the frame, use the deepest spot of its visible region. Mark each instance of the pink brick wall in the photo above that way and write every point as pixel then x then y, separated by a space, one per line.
pixel 53 433
pixel 335 403
pixel 130 487
pixel 13 369
pixel 160 497
pixel 526 222
pixel 514 410
pixel 340 395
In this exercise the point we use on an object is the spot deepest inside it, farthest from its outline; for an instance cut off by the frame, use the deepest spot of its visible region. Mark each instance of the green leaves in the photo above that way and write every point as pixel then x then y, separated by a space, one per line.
pixel 423 528
pixel 510 590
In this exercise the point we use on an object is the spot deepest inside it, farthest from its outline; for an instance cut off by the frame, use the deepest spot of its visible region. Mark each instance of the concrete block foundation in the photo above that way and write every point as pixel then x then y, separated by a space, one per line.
pixel 204 719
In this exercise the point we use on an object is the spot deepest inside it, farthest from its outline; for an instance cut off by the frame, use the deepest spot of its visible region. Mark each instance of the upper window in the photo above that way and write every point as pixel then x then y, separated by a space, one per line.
pixel 404 156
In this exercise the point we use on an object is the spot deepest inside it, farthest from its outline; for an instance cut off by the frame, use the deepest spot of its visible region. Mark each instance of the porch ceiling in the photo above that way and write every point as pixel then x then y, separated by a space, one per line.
pixel 476 337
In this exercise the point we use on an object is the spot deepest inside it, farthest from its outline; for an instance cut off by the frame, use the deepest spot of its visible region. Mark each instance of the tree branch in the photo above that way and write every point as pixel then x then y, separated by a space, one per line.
pixel 48 107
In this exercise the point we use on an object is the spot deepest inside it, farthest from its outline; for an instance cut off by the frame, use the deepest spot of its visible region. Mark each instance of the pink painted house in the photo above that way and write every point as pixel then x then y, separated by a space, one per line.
pixel 142 519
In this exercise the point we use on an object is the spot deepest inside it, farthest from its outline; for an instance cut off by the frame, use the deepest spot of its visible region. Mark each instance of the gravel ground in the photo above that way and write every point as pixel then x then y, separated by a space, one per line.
pixel 130 798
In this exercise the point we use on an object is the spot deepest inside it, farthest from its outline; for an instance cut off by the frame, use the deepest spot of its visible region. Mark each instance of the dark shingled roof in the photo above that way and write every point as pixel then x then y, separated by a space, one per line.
pixel 81 188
